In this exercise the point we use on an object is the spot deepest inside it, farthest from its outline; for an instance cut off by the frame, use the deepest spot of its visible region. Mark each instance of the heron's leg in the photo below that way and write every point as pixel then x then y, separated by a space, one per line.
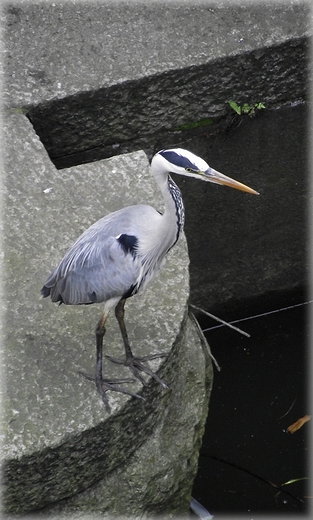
pixel 103 385
pixel 100 331
pixel 135 364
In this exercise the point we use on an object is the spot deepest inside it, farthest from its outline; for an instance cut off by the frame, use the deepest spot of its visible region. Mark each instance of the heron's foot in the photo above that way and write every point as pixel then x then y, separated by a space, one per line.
pixel 103 385
pixel 137 365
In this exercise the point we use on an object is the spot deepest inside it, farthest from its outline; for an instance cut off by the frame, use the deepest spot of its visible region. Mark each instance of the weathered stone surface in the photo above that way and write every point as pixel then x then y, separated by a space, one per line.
pixel 154 68
pixel 155 480
pixel 54 50
pixel 108 78
pixel 58 439
pixel 94 125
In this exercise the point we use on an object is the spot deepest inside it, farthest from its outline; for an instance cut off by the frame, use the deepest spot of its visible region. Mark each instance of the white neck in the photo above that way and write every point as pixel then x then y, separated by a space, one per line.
pixel 173 216
pixel 167 227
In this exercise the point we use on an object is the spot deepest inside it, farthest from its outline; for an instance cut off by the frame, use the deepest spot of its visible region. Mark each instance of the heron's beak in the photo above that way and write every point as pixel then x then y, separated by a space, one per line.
pixel 218 178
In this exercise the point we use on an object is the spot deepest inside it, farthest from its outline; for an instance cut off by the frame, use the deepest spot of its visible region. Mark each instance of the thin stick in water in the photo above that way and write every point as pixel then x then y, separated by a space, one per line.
pixel 219 319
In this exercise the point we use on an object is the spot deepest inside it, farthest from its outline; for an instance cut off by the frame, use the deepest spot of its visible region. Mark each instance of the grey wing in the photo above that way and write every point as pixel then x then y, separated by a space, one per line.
pixel 94 270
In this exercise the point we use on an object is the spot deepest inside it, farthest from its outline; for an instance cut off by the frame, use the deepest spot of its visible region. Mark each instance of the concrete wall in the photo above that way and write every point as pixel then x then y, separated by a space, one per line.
pixel 104 79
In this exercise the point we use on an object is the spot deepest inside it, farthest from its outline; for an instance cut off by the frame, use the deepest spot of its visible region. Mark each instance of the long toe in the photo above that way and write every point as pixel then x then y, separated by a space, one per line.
pixel 136 365
pixel 103 385
pixel 109 381
pixel 109 386
pixel 152 356
pixel 103 396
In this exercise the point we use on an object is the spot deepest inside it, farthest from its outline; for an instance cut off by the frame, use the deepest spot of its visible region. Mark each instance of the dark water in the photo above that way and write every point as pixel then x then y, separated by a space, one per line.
pixel 246 449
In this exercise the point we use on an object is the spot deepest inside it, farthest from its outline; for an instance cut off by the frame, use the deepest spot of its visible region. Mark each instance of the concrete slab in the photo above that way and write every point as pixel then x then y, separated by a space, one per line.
pixel 157 478
pixel 58 438
pixel 55 49
pixel 99 80
pixel 102 79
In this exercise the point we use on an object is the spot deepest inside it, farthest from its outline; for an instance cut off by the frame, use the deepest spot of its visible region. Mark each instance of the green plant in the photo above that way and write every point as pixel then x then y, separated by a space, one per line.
pixel 246 108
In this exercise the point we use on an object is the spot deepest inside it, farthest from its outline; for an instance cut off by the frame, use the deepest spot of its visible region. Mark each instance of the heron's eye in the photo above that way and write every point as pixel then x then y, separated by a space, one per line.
pixel 190 170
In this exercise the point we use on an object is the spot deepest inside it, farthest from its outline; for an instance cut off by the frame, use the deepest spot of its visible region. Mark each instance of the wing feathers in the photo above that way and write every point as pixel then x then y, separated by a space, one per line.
pixel 109 260
pixel 93 272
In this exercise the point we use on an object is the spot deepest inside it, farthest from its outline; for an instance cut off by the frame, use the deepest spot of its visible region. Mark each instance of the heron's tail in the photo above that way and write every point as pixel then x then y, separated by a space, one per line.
pixel 45 291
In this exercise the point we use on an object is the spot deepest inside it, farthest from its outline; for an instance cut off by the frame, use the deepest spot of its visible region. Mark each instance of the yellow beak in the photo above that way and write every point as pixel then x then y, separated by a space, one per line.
pixel 216 177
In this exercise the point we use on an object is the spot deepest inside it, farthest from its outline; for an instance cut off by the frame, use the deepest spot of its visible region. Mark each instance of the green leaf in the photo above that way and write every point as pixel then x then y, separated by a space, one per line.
pixel 246 108
pixel 294 480
pixel 235 107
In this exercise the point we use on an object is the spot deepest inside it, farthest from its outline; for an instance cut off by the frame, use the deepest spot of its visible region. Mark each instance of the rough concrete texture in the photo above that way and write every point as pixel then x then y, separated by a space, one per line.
pixel 95 125
pixel 101 79
pixel 58 438
pixel 59 49
pixel 135 490
pixel 241 246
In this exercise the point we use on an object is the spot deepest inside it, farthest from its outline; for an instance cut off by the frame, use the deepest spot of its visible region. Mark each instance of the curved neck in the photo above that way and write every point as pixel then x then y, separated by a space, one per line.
pixel 177 199
pixel 174 212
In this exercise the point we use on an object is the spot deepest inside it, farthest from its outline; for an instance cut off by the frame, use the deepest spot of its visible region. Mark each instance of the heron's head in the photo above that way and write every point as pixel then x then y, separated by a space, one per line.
pixel 183 162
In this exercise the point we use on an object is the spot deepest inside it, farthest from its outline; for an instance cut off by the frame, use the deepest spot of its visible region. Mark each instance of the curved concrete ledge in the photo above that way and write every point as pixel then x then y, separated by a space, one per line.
pixel 141 462
pixel 59 439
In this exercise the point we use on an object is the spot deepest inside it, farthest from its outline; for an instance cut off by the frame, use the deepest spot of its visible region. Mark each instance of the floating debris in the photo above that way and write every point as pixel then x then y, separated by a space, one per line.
pixel 298 424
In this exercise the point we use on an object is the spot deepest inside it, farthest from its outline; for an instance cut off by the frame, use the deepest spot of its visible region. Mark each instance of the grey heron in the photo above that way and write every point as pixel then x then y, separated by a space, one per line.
pixel 117 256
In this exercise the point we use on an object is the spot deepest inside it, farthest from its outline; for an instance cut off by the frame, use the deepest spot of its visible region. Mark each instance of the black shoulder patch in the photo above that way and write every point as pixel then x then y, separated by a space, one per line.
pixel 128 243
